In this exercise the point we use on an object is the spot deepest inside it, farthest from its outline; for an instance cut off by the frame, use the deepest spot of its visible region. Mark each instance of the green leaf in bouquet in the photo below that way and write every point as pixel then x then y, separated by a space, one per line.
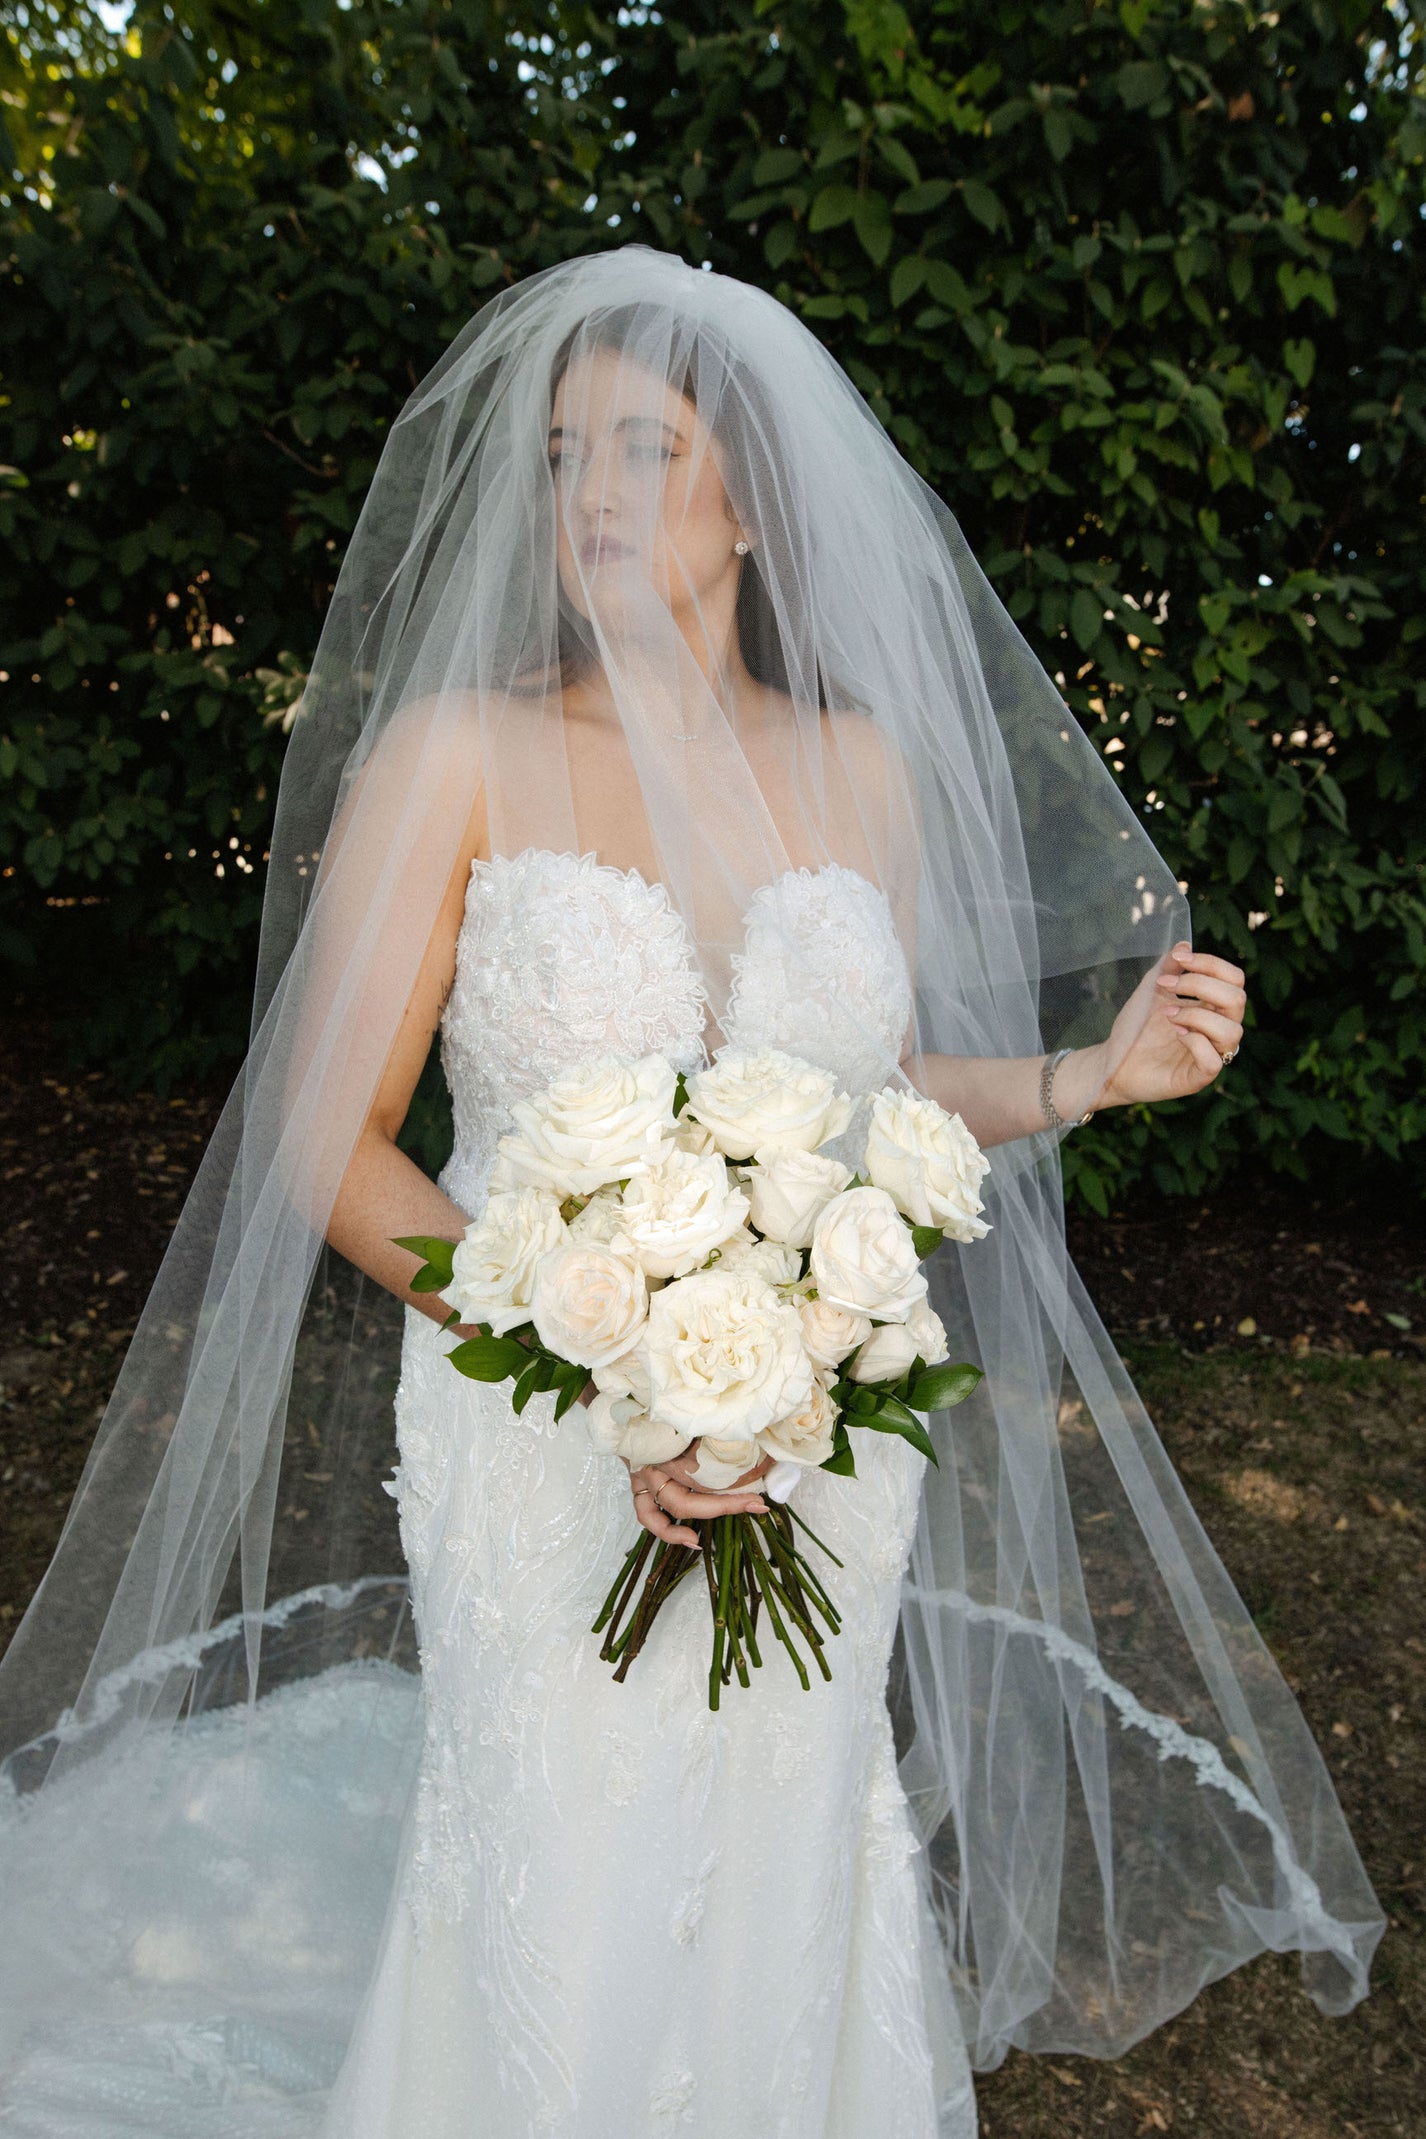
pixel 841 1461
pixel 451 1319
pixel 894 1417
pixel 940 1387
pixel 680 1094
pixel 571 1381
pixel 925 1239
pixel 525 1387
pixel 488 1358
pixel 437 1269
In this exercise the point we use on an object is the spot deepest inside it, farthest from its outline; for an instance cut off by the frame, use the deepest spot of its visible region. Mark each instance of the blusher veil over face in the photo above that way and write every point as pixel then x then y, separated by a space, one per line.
pixel 1118 1795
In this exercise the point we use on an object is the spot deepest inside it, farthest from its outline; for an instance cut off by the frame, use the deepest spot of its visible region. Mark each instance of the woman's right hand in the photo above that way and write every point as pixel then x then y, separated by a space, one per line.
pixel 666 1500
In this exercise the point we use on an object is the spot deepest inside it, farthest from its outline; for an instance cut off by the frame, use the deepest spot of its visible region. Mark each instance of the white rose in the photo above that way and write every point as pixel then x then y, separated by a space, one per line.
pixel 617 1427
pixel 863 1257
pixel 493 1267
pixel 929 1333
pixel 628 1375
pixel 787 1189
pixel 678 1210
pixel 829 1333
pixel 589 1303
pixel 892 1346
pixel 690 1135
pixel 928 1162
pixel 886 1355
pixel 725 1355
pixel 804 1436
pixel 588 1127
pixel 767 1259
pixel 759 1097
pixel 720 1462
pixel 599 1221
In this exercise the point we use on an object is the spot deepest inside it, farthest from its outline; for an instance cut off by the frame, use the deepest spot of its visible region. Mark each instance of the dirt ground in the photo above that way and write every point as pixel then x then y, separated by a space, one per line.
pixel 1280 1344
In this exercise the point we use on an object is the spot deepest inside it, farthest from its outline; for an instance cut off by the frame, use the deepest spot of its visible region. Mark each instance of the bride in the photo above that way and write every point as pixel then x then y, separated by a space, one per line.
pixel 659 709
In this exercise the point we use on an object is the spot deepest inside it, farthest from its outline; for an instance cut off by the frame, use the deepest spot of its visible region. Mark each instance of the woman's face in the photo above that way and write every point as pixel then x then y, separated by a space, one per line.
pixel 642 503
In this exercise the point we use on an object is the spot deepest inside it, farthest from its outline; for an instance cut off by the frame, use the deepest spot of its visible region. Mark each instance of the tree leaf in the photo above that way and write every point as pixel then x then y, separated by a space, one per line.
pixel 834 205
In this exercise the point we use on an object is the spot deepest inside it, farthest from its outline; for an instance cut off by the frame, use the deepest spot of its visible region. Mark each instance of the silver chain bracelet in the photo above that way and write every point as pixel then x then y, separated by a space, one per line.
pixel 1055 1119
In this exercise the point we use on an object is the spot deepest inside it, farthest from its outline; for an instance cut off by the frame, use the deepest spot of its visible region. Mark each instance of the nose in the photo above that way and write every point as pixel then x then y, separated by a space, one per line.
pixel 593 492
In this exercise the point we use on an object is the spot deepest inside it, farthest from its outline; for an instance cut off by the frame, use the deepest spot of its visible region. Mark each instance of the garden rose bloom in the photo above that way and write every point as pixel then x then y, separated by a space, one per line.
pixel 493 1267
pixel 928 1162
pixel 725 1355
pixel 755 1097
pixel 589 1303
pixel 600 1219
pixel 863 1258
pixel 767 1259
pixel 721 1463
pixel 595 1124
pixel 678 1209
pixel 786 1190
pixel 892 1346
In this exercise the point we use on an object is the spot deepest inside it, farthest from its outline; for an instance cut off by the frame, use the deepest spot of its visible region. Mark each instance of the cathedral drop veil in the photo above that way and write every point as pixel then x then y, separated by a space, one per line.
pixel 212 1716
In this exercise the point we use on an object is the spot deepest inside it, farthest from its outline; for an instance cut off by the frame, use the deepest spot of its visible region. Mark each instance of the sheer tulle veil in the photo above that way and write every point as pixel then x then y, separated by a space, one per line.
pixel 1118 1797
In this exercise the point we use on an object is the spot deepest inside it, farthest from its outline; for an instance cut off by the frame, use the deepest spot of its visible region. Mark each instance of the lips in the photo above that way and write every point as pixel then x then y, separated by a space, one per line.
pixel 602 549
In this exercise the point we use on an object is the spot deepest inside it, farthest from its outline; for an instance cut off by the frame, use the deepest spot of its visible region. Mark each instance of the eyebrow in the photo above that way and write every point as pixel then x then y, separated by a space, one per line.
pixel 654 422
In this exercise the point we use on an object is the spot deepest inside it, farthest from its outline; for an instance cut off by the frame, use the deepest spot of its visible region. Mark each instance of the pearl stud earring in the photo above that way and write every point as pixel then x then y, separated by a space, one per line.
pixel 740 548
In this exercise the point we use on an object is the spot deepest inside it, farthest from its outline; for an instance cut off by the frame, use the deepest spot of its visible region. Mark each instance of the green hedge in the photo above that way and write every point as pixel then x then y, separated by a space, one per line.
pixel 1138 288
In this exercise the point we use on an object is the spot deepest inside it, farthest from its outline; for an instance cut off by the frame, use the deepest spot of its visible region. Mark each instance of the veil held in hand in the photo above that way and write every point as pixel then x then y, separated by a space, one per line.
pixel 641 578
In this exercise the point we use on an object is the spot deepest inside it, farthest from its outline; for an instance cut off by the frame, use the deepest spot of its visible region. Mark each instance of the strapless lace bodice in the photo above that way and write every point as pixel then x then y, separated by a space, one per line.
pixel 560 956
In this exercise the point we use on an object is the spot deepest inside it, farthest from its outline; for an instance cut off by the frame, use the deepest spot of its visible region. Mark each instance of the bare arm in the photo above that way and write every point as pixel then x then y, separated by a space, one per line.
pixel 383 1192
pixel 1168 1042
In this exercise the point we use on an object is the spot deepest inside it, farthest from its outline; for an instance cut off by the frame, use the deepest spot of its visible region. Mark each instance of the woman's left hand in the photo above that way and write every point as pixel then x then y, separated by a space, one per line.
pixel 1193 1023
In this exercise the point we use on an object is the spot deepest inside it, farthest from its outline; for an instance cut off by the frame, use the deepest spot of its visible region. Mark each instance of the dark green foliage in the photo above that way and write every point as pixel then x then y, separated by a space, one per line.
pixel 1138 289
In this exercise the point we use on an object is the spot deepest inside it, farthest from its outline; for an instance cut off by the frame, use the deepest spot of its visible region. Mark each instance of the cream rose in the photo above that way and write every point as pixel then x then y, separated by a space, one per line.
pixel 600 1219
pixel 588 1303
pixel 493 1267
pixel 618 1427
pixel 863 1258
pixel 892 1346
pixel 763 1097
pixel 829 1333
pixel 593 1125
pixel 928 1162
pixel 690 1135
pixel 767 1259
pixel 803 1436
pixel 720 1463
pixel 787 1189
pixel 678 1210
pixel 628 1375
pixel 725 1355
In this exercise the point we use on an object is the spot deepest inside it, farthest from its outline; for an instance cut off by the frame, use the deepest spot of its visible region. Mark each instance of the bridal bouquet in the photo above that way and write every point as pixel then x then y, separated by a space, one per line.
pixel 687 1247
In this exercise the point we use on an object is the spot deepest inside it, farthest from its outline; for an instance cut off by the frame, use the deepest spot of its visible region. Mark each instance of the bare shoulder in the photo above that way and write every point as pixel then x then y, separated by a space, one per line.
pixel 867 749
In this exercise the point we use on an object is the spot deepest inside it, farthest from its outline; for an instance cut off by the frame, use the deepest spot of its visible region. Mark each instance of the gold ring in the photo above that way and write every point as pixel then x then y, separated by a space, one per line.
pixel 1230 1054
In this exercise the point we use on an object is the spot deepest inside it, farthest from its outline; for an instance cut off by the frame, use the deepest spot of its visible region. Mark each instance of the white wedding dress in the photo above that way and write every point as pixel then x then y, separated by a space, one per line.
pixel 618 1913
pixel 598 1911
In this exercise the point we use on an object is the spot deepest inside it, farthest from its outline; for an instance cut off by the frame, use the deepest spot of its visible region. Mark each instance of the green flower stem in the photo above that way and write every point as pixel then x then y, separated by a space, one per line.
pixel 635 1552
pixel 792 1606
pixel 796 1570
pixel 640 1554
pixel 807 1529
pixel 780 1630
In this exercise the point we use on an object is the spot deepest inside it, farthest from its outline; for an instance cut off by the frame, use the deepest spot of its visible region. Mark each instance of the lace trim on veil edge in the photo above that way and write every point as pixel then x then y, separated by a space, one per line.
pixel 1173 1741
